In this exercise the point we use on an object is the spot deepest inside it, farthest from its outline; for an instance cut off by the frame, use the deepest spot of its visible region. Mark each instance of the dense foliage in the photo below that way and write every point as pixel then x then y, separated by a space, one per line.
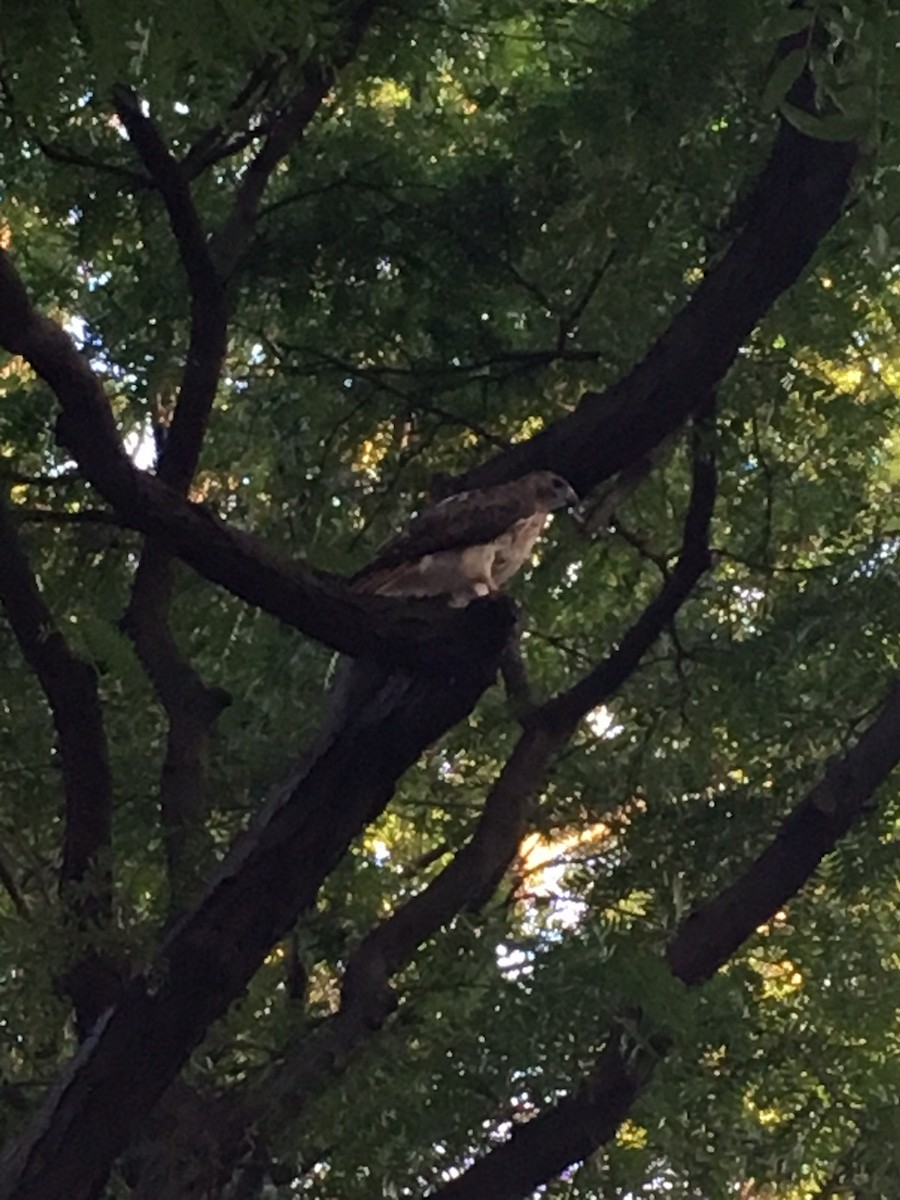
pixel 478 214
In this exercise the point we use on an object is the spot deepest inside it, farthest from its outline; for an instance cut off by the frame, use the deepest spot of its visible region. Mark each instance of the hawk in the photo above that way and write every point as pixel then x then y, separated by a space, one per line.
pixel 468 545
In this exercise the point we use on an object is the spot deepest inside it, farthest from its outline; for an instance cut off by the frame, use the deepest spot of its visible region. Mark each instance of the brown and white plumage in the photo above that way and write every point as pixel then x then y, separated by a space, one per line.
pixel 470 544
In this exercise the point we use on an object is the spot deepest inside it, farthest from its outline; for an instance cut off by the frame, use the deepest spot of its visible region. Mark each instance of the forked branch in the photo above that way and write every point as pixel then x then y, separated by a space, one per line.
pixel 472 875
pixel 417 634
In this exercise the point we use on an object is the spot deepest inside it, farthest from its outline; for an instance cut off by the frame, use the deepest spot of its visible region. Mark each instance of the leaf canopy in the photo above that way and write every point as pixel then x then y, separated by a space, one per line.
pixel 494 210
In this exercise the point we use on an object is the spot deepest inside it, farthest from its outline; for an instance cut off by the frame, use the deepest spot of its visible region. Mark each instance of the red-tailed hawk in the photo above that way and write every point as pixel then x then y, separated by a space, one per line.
pixel 468 545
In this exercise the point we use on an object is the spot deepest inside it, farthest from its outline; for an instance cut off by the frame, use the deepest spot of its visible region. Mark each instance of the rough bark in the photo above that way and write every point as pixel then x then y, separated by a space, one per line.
pixel 271 875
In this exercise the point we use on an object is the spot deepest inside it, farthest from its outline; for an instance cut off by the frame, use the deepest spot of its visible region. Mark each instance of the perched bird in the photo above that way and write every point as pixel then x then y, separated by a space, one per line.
pixel 468 545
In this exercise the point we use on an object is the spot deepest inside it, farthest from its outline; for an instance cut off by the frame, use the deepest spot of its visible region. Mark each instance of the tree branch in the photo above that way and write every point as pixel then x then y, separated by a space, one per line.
pixel 191 707
pixel 209 310
pixel 472 875
pixel 8 880
pixel 62 154
pixel 429 377
pixel 270 876
pixel 797 198
pixel 567 709
pixel 712 934
pixel 19 479
pixel 469 878
pixel 413 633
pixel 65 516
pixel 574 1128
pixel 70 686
pixel 286 128
pixel 209 957
pixel 216 143
pixel 568 324
pixel 568 1132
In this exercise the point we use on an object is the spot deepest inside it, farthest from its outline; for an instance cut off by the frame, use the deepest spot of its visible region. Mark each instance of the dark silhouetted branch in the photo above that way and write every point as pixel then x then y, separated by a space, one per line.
pixel 271 875
pixel 712 934
pixel 568 324
pixel 191 707
pixel 209 310
pixel 473 874
pixel 8 880
pixel 574 1128
pixel 275 873
pixel 221 142
pixel 411 633
pixel 567 1133
pixel 70 686
pixel 797 198
pixel 567 709
pixel 66 516
pixel 69 157
pixel 285 129
pixel 469 879
pixel 18 478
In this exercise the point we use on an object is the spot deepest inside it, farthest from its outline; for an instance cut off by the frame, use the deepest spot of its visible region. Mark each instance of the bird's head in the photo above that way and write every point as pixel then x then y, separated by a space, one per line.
pixel 552 491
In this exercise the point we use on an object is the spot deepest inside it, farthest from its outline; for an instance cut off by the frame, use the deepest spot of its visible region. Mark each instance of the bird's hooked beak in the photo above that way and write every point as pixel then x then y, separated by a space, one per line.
pixel 570 505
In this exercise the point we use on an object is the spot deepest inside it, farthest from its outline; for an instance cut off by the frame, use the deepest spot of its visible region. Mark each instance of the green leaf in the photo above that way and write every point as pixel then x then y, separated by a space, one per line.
pixel 782 79
pixel 856 100
pixel 878 247
pixel 836 127
pixel 789 22
pixel 106 645
pixel 429 282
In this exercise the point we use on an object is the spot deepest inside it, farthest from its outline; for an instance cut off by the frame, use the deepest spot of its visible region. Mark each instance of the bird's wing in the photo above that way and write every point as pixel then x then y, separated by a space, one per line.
pixel 472 518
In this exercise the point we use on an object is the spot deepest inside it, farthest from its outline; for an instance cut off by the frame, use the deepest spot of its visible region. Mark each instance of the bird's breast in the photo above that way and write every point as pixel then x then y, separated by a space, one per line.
pixel 514 546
